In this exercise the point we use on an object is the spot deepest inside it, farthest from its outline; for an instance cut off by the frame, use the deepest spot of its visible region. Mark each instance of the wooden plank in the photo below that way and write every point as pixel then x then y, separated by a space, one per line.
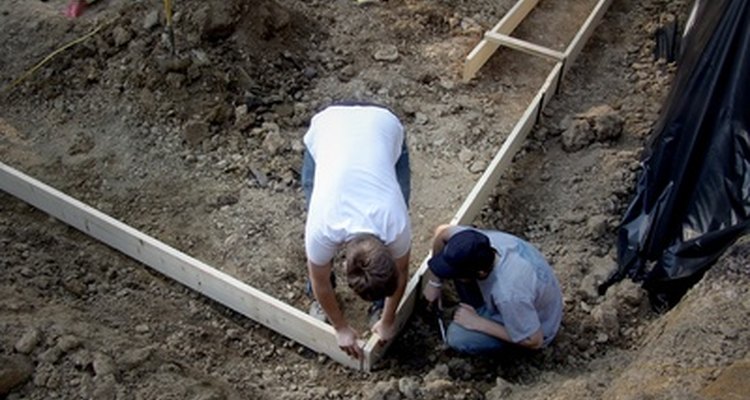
pixel 482 52
pixel 551 84
pixel 524 46
pixel 584 33
pixel 253 303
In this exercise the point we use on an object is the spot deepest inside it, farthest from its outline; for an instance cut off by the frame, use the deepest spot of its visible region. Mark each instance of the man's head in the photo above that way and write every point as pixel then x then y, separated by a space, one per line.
pixel 466 255
pixel 370 268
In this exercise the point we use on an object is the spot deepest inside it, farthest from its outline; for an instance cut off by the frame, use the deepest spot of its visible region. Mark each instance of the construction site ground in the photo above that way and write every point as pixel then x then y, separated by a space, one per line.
pixel 202 150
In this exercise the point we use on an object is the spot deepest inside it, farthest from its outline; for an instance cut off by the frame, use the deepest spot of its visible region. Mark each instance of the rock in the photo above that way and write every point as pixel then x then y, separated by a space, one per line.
pixel 501 390
pixel 577 388
pixel 597 226
pixel 121 36
pixel 605 316
pixel 103 365
pixel 28 342
pixel 465 155
pixel 105 389
pixel 226 200
pixel 386 53
pixel 81 359
pixel 607 123
pixel 151 20
pixel 628 292
pixel 195 132
pixel 310 72
pixel 588 290
pixel 51 355
pixel 240 111
pixel 68 342
pixel 409 387
pixel 477 166
pixel 347 73
pixel 577 136
pixel 438 388
pixel 173 64
pixel 421 118
pixel 202 391
pixel 565 123
pixel 273 142
pixel 219 20
pixel 384 390
pixel 441 371
pixel 14 370
pixel 600 123
pixel 572 217
pixel 259 176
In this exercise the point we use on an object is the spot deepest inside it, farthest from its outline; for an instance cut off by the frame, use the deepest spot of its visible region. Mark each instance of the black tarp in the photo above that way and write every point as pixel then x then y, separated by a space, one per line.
pixel 692 198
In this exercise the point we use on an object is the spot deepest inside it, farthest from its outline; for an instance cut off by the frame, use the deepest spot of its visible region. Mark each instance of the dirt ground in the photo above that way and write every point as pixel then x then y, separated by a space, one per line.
pixel 202 150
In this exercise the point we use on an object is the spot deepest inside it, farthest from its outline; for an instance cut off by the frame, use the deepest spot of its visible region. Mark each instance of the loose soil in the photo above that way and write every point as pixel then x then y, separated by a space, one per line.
pixel 202 150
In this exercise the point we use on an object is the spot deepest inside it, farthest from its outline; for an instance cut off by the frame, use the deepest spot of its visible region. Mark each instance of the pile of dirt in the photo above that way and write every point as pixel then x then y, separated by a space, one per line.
pixel 202 150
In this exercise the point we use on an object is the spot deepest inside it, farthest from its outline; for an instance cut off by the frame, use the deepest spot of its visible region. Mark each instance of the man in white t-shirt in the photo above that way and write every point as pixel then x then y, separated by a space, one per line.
pixel 356 181
pixel 509 294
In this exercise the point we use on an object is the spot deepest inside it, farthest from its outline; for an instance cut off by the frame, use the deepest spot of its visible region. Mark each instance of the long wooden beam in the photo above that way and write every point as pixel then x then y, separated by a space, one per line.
pixel 231 292
pixel 482 52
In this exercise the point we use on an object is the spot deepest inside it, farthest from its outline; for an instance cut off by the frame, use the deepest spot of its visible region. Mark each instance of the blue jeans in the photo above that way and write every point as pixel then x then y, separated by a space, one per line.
pixel 474 342
pixel 403 174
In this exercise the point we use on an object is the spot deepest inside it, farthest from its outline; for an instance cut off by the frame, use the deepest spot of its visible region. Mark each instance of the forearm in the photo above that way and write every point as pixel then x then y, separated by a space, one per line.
pixel 330 305
pixel 325 294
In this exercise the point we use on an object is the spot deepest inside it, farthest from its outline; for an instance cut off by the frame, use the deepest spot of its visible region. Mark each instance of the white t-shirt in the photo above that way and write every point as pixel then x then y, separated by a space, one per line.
pixel 355 149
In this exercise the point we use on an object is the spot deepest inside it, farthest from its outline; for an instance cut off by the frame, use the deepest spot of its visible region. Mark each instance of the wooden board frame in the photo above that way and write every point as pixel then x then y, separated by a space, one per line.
pixel 263 308
pixel 491 177
pixel 482 52
pixel 225 289
pixel 499 36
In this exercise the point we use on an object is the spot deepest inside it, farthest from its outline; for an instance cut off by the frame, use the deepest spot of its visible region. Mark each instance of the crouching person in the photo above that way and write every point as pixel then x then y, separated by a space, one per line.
pixel 509 294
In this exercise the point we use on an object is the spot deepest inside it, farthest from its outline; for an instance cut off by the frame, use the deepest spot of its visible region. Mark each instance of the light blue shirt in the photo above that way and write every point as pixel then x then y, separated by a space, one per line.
pixel 521 292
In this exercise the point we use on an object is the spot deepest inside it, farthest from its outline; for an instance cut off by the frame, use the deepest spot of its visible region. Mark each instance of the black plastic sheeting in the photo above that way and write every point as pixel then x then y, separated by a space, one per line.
pixel 692 198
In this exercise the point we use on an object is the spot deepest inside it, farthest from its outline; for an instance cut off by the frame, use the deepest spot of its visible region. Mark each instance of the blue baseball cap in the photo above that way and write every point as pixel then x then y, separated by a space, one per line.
pixel 466 253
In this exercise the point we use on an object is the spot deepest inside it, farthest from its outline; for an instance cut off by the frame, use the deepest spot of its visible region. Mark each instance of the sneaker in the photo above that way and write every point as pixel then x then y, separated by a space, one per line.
pixel 316 311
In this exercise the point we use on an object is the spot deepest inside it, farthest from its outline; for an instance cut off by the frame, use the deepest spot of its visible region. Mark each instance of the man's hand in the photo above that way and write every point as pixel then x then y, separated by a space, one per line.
pixel 384 330
pixel 467 317
pixel 347 341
